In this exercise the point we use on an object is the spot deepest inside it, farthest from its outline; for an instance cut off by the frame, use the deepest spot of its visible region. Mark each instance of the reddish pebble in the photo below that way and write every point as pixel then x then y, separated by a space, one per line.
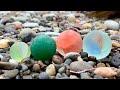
pixel 77 21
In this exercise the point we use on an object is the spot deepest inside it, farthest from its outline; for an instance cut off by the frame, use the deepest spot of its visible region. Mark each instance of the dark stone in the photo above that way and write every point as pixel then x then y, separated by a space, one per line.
pixel 83 54
pixel 27 38
pixel 92 58
pixel 85 59
pixel 115 60
pixel 19 67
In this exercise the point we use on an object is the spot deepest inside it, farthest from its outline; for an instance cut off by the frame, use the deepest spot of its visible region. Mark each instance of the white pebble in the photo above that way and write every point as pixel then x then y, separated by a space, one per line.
pixel 30 25
pixel 14 62
pixel 112 24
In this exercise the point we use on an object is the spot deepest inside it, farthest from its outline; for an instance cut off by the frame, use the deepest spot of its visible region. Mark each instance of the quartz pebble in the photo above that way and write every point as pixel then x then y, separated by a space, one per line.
pixel 50 70
pixel 30 25
pixel 112 25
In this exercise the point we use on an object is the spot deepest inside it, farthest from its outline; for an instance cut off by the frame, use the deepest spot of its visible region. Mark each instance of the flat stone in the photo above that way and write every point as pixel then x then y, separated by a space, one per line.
pixel 6 65
pixel 27 77
pixel 31 25
pixel 11 73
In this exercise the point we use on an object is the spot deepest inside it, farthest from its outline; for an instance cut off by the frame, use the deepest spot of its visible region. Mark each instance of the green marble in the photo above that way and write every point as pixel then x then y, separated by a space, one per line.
pixel 43 47
pixel 19 51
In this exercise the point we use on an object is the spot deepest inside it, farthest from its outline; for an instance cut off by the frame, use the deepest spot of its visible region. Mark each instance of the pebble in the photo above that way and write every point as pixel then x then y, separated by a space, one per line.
pixel 19 67
pixel 98 77
pixel 28 63
pixel 26 72
pixel 11 73
pixel 83 54
pixel 30 25
pixel 71 55
pixel 7 35
pixel 84 31
pixel 112 25
pixel 85 59
pixel 4 43
pixel 57 66
pixel 35 75
pixel 43 75
pixel 20 18
pixel 35 20
pixel 14 62
pixel 27 38
pixel 6 66
pixel 9 29
pixel 91 63
pixel 68 61
pixel 36 68
pixel 58 75
pixel 115 37
pixel 100 26
pixel 1 56
pixel 118 73
pixel 5 20
pixel 64 76
pixel 62 70
pixel 24 67
pixel 50 70
pixel 71 18
pixel 115 60
pixel 47 62
pixel 18 77
pixel 26 31
pixel 105 72
pixel 91 58
pixel 57 59
pixel 73 77
pixel 18 25
pixel 87 25
pixel 85 76
pixel 27 77
pixel 115 44
pixel 78 66
pixel 101 65
pixel 52 77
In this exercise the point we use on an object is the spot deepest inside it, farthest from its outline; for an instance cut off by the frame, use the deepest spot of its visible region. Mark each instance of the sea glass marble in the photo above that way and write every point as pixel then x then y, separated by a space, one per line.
pixel 43 47
pixel 19 51
pixel 69 41
pixel 97 43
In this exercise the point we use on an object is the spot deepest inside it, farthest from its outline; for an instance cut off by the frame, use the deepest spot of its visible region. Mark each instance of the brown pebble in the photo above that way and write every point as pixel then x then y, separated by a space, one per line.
pixel 101 65
pixel 107 65
pixel 91 58
pixel 68 73
pixel 36 68
pixel 115 44
pixel 57 59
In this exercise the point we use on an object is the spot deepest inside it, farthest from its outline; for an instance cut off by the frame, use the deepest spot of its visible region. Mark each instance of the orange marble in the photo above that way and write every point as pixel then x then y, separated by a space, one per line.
pixel 69 41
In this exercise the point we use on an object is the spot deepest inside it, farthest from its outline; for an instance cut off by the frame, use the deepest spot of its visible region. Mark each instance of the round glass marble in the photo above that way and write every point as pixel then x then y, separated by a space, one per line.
pixel 97 43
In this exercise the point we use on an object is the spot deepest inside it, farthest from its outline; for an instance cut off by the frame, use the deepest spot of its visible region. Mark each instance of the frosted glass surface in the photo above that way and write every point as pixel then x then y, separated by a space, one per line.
pixel 97 43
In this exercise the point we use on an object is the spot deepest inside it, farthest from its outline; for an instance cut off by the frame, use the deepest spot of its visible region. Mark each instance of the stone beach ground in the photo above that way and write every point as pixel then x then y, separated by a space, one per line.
pixel 26 25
